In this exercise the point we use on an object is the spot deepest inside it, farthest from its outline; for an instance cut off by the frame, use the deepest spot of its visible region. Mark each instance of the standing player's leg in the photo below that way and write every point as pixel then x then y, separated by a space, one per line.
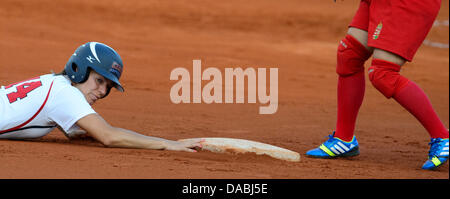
pixel 353 51
pixel 351 55
pixel 394 45
pixel 384 75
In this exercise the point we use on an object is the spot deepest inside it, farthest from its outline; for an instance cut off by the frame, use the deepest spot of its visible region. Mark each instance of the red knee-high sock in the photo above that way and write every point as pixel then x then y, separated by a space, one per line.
pixel 413 99
pixel 350 97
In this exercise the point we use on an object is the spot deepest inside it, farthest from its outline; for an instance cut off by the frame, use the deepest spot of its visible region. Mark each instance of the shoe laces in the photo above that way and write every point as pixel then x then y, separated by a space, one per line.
pixel 330 138
pixel 435 146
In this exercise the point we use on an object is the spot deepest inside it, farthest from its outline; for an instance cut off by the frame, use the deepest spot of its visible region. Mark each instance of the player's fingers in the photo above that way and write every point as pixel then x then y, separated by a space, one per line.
pixel 190 150
pixel 197 145
pixel 194 146
pixel 193 143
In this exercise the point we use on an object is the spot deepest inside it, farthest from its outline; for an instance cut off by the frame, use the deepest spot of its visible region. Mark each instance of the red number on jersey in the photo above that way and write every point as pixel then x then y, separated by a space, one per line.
pixel 23 90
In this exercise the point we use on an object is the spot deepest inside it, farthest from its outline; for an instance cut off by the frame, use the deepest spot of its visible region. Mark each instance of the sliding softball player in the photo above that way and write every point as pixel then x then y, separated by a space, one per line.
pixel 34 107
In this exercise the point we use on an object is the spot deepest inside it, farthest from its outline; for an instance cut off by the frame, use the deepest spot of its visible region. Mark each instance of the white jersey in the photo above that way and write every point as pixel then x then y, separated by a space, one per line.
pixel 34 107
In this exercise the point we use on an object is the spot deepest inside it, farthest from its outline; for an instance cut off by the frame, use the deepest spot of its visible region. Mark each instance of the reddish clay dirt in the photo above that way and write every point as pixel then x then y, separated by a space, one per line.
pixel 154 37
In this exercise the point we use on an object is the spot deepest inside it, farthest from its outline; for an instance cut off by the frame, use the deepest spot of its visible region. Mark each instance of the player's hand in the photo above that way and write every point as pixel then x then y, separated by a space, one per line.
pixel 182 145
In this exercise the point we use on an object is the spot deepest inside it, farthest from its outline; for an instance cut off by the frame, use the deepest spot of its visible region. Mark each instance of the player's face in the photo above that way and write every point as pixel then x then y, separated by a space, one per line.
pixel 95 87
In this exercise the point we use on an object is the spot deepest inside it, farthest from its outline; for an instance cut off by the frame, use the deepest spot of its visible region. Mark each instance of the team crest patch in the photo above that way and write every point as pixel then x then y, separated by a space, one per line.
pixel 376 34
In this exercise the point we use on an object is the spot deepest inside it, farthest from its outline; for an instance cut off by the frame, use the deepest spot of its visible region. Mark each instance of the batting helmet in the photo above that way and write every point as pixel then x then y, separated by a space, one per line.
pixel 98 57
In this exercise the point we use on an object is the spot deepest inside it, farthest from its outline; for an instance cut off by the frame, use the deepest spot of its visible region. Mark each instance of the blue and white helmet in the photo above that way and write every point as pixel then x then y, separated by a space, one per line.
pixel 98 57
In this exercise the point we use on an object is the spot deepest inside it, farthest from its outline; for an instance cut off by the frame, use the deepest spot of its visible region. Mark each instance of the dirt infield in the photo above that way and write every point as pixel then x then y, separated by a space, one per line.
pixel 154 37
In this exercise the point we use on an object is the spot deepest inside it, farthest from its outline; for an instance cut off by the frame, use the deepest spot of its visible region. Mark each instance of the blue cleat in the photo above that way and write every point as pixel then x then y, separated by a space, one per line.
pixel 335 147
pixel 437 155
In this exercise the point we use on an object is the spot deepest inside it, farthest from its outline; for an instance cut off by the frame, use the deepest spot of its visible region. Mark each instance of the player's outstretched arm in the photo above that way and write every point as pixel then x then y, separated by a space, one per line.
pixel 111 136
